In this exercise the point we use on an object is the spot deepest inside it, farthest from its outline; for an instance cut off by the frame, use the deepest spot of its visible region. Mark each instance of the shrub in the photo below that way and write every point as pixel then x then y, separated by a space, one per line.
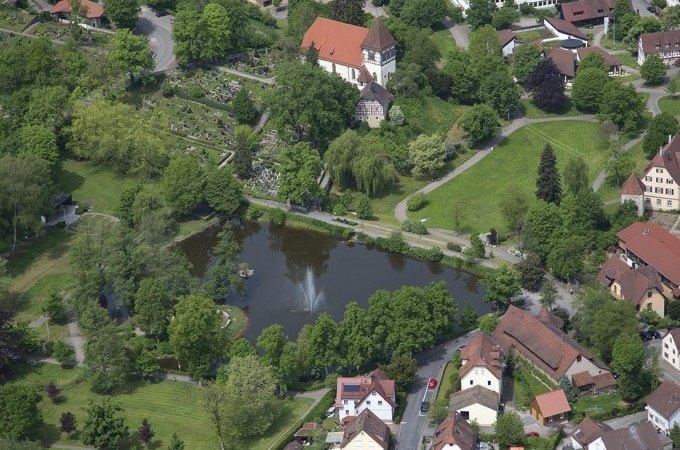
pixel 454 247
pixel 167 90
pixel 364 209
pixel 429 254
pixel 414 226
pixel 254 212
pixel 194 90
pixel 339 209
pixel 64 353
pixel 416 202
pixel 395 243
pixel 277 217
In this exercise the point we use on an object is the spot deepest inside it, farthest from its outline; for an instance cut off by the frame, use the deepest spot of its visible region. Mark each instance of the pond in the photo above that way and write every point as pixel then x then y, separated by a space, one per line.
pixel 299 273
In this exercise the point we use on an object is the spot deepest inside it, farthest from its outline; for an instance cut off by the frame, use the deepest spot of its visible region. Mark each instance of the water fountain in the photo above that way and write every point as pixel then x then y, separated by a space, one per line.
pixel 312 298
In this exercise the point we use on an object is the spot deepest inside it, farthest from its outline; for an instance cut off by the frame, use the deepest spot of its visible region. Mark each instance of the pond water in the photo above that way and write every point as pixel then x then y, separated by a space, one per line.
pixel 300 273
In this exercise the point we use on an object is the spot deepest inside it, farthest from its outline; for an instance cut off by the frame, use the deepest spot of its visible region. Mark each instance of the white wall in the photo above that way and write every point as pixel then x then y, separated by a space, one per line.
pixel 669 351
pixel 480 376
pixel 363 441
pixel 374 401
pixel 657 419
pixel 509 47
pixel 345 72
pixel 559 34
pixel 575 444
pixel 585 365
pixel 484 416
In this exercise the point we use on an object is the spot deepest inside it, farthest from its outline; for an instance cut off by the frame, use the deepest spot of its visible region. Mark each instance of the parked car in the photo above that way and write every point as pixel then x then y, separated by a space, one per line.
pixel 646 336
pixel 651 9
pixel 425 407
pixel 533 434
pixel 655 334
pixel 330 412
pixel 431 383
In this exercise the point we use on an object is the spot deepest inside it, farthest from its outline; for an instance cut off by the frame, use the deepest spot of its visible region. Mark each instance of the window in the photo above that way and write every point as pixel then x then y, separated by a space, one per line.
pixel 665 344
pixel 670 191
pixel 379 402
pixel 347 412
pixel 488 383
pixel 658 202
pixel 659 180
pixel 658 190
pixel 578 358
pixel 665 355
pixel 648 188
pixel 368 402
pixel 669 180
pixel 333 67
pixel 648 178
pixel 375 77
pixel 471 382
pixel 371 55
pixel 374 393
pixel 649 295
pixel 659 170
pixel 345 402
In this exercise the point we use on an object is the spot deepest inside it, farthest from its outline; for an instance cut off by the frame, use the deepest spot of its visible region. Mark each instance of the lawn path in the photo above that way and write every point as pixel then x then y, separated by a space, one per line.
pixel 248 76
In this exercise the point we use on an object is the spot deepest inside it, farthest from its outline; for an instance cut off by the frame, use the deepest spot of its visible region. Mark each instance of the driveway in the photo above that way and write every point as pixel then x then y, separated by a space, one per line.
pixel 159 32
pixel 641 7
pixel 431 365
pixel 626 421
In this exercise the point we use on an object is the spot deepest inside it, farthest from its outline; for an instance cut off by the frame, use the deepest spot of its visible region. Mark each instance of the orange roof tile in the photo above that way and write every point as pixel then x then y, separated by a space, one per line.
pixel 93 10
pixel 336 41
pixel 655 246
pixel 633 186
pixel 553 403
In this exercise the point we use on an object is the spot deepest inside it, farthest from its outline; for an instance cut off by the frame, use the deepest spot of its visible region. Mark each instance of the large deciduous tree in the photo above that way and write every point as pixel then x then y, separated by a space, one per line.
pixel 480 123
pixel 106 360
pixel 355 340
pixel 542 224
pixel 222 190
pixel 548 187
pixel 628 359
pixel 40 142
pixel 547 86
pixel 348 11
pixel 152 308
pixel 588 89
pixel 509 429
pixel 104 426
pixel 424 13
pixel 575 175
pixel 501 285
pixel 123 13
pixel 501 93
pixel 526 58
pixel 20 416
pixel 300 166
pixel 660 127
pixel 131 53
pixel 182 184
pixel 480 13
pixel 622 105
pixel 653 70
pixel 202 35
pixel 428 154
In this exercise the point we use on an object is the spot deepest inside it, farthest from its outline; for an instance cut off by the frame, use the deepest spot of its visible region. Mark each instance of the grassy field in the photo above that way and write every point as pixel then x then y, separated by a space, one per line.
pixel 430 114
pixel 450 374
pixel 512 166
pixel 612 45
pixel 444 42
pixel 170 407
pixel 526 386
pixel 596 406
pixel 88 182
pixel 670 104
pixel 628 60
pixel 531 111
pixel 30 303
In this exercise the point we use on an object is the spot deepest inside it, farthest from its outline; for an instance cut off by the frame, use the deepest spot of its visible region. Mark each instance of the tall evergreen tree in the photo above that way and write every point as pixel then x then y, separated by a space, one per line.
pixel 548 186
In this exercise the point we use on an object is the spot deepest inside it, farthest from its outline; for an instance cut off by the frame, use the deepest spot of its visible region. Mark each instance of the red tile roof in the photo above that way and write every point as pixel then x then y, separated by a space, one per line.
pixel 633 186
pixel 505 36
pixel 363 386
pixel 565 27
pixel 583 380
pixel 564 60
pixel 608 58
pixel 661 41
pixel 92 10
pixel 586 9
pixel 370 424
pixel 655 246
pixel 665 399
pixel 553 403
pixel 336 41
pixel 669 159
pixel 454 431
pixel 482 351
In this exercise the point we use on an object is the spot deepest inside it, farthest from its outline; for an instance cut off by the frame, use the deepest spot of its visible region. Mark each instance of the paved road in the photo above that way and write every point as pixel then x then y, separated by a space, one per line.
pixel 159 32
pixel 432 362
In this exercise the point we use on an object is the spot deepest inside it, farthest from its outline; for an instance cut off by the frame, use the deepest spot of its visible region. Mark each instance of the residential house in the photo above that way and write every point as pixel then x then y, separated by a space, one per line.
pixel 665 44
pixel 508 42
pixel 541 342
pixel 564 60
pixel 587 432
pixel 92 13
pixel 640 286
pixel 374 104
pixel 586 12
pixel 357 54
pixel 550 407
pixel 564 30
pixel 454 433
pixel 482 364
pixel 465 4
pixel 658 188
pixel 663 406
pixel 366 432
pixel 611 62
pixel 648 244
pixel 598 384
pixel 670 350
pixel 476 403
pixel 373 391
pixel 639 436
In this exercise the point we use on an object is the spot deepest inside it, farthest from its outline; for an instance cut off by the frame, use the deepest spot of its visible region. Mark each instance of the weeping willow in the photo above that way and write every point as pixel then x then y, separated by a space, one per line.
pixel 373 173
pixel 339 157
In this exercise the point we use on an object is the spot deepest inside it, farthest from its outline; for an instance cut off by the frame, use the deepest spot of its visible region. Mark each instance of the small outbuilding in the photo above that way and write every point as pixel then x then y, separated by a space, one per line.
pixel 550 407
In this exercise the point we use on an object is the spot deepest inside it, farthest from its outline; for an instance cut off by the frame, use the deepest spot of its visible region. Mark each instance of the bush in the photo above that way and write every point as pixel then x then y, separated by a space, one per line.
pixel 64 353
pixel 339 209
pixel 254 212
pixel 429 254
pixel 277 217
pixel 167 90
pixel 414 226
pixel 526 9
pixel 416 202
pixel 454 247
pixel 194 90
pixel 395 243
pixel 364 209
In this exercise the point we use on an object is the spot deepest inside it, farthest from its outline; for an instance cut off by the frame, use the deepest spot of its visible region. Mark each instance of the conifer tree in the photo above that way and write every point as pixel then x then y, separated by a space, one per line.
pixel 548 186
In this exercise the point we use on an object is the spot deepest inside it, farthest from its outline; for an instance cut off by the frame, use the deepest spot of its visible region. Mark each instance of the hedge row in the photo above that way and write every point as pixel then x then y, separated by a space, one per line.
pixel 315 415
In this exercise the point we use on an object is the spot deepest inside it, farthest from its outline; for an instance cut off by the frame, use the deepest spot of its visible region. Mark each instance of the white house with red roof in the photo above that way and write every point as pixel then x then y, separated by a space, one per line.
pixel 374 391
pixel 482 364
pixel 92 12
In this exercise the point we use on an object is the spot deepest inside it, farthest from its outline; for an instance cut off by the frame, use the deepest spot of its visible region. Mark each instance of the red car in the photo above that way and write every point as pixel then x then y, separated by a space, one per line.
pixel 533 434
pixel 431 383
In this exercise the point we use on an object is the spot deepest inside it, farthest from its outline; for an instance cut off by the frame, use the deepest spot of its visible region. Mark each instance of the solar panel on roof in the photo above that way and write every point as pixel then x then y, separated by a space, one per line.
pixel 352 388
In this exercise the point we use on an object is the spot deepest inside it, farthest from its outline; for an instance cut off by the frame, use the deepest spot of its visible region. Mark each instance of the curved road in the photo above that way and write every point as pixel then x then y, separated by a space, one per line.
pixel 159 32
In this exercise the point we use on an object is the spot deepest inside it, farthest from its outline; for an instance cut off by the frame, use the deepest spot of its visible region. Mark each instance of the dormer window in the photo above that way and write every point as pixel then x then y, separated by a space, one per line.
pixel 374 393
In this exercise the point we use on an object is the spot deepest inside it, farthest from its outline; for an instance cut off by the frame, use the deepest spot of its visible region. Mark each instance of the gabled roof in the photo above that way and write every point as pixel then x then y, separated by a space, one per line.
pixel 665 399
pixel 476 395
pixel 586 9
pixel 505 36
pixel 655 246
pixel 358 388
pixel 639 436
pixel 588 431
pixel 454 430
pixel 370 424
pixel 565 27
pixel 336 41
pixel 92 10
pixel 662 41
pixel 364 75
pixel 633 186
pixel 545 345
pixel 608 58
pixel 553 403
pixel 669 159
pixel 375 92
pixel 378 37
pixel 482 351
pixel 634 282
pixel 564 60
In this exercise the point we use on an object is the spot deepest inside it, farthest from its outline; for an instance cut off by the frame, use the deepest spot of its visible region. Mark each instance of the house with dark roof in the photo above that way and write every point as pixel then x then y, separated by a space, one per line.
pixel 476 403
pixel 587 432
pixel 508 41
pixel 550 408
pixel 586 12
pixel 564 60
pixel 366 432
pixel 92 13
pixel 647 244
pixel 670 348
pixel 611 62
pixel 482 364
pixel 664 44
pixel 663 406
pixel 374 104
pixel 638 436
pixel 374 392
pixel 564 30
pixel 454 433
pixel 594 384
pixel 544 345
pixel 640 286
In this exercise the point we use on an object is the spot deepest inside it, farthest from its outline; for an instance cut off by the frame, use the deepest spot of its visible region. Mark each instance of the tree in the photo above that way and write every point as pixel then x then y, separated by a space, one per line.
pixel 593 60
pixel 514 209
pixel 509 429
pixel 548 294
pixel 20 416
pixel 480 123
pixel 660 127
pixel 64 353
pixel 501 285
pixel 480 13
pixel 625 18
pixel 175 443
pixel 501 93
pixel 468 318
pixel 67 422
pixel 222 190
pixel 653 70
pixel 488 323
pixel 53 308
pixel 642 25
pixel 588 89
pixel 348 11
pixel 548 186
pixel 569 390
pixel 123 13
pixel 152 308
pixel 476 248
pixel 424 13
pixel 354 336
pixel 243 107
pixel 271 342
pixel 52 391
pixel 619 166
pixel 241 348
pixel 547 86
pixel 39 142
pixel 213 398
pixel 610 322
pixel 504 17
pixel 670 16
pixel 622 105
pixel 575 175
pixel 145 433
pixel 465 87
pixel 526 58
pixel 245 141
pixel 401 369
pixel 485 53
pixel 106 360
pixel 131 53
pixel 628 358
pixel 565 260
pixel 531 272
pixel 428 154
pixel 104 426
pixel 182 184
pixel 196 335
pixel 300 166
pixel 323 341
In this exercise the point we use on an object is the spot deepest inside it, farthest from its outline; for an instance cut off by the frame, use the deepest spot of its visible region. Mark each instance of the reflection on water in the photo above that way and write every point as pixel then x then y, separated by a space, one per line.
pixel 285 259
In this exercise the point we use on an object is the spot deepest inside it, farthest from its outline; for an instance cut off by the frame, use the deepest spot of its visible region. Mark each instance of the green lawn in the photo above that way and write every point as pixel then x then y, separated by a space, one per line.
pixel 526 386
pixel 598 407
pixel 512 166
pixel 430 114
pixel 88 182
pixel 450 375
pixel 609 192
pixel 628 60
pixel 29 304
pixel 170 407
pixel 612 45
pixel 531 111
pixel 444 42
pixel 670 104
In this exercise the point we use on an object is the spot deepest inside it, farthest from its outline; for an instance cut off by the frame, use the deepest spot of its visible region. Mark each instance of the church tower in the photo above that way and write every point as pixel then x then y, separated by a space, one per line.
pixel 379 52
